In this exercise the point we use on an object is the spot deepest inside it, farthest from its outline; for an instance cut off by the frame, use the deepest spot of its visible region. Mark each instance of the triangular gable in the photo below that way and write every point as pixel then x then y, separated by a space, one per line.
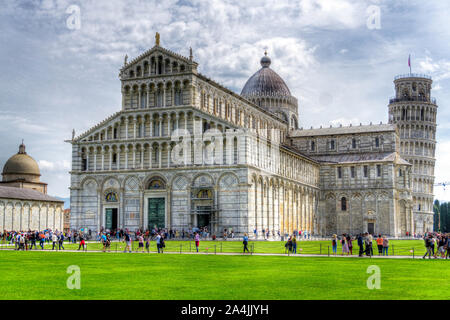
pixel 158 49
pixel 97 126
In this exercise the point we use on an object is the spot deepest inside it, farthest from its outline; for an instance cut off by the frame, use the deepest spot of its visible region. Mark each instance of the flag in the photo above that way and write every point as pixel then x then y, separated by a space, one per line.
pixel 409 61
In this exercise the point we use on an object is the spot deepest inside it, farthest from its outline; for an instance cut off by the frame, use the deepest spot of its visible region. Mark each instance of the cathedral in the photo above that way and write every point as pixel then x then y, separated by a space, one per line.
pixel 186 152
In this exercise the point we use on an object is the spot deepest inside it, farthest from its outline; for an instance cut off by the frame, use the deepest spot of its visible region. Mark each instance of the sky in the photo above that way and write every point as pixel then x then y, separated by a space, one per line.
pixel 60 60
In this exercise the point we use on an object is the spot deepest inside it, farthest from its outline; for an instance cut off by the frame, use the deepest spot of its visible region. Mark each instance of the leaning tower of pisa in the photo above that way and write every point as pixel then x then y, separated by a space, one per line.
pixel 414 112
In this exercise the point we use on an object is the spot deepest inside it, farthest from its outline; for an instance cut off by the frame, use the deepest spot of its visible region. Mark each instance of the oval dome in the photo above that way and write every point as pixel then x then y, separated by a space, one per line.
pixel 21 164
pixel 265 82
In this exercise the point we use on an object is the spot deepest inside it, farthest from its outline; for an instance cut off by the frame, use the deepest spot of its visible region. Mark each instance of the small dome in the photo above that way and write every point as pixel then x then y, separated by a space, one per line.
pixel 265 82
pixel 20 164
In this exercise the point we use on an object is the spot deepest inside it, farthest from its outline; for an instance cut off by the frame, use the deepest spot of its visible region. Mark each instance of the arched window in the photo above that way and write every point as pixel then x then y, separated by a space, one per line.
pixel 313 146
pixel 344 204
pixel 377 142
pixel 354 143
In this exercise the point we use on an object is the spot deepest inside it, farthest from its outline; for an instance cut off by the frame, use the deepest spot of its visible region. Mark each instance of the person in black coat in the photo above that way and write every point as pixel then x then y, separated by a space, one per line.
pixel 361 244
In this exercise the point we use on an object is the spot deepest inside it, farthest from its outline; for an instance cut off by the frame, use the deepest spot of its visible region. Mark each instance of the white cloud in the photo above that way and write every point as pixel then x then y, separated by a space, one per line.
pixel 56 166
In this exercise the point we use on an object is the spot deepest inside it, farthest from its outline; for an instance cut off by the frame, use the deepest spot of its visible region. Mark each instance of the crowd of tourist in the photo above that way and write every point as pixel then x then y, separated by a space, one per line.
pixel 437 245
pixel 27 240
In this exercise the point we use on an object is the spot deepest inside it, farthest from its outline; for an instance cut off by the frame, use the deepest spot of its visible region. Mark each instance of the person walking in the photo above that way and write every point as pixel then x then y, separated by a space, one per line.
pixel 127 240
pixel 141 242
pixel 54 240
pixel 197 240
pixel 158 242
pixel 429 252
pixel 41 240
pixel 82 242
pixel 162 243
pixel 61 241
pixel 385 246
pixel 245 243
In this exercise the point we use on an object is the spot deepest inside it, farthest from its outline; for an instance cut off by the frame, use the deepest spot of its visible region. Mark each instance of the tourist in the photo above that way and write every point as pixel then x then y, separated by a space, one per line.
pixel 54 240
pixel 141 242
pixel 367 244
pixel 380 245
pixel 432 244
pixel 245 243
pixel 61 241
pixel 197 240
pixel 385 246
pixel 147 242
pixel 429 252
pixel 103 241
pixel 162 243
pixel 158 242
pixel 294 244
pixel 334 244
pixel 447 246
pixel 369 236
pixel 33 236
pixel 127 240
pixel 361 244
pixel 441 244
pixel 41 240
pixel 350 244
pixel 108 243
pixel 82 242
pixel 344 245
pixel 288 245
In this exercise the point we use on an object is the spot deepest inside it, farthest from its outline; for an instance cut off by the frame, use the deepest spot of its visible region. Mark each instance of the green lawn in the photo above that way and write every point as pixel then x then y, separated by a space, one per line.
pixel 397 247
pixel 42 275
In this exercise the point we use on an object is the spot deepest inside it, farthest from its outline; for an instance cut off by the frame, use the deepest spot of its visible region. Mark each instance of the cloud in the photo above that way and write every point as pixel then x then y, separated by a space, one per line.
pixel 55 79
pixel 56 166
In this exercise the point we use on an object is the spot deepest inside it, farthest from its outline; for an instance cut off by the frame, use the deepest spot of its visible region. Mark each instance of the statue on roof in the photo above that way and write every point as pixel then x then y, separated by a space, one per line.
pixel 73 134
pixel 125 60
pixel 157 38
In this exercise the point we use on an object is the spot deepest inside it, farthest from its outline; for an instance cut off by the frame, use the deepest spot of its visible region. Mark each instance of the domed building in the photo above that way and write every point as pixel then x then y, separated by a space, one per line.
pixel 22 171
pixel 268 90
pixel 24 203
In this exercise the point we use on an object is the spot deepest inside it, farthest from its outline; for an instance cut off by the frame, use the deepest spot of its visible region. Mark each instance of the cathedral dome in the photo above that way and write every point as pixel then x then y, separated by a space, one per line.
pixel 265 82
pixel 21 166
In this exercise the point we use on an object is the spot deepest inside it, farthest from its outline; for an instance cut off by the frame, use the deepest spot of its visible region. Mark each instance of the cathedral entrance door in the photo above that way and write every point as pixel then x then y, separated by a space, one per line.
pixel 111 218
pixel 203 220
pixel 371 227
pixel 156 213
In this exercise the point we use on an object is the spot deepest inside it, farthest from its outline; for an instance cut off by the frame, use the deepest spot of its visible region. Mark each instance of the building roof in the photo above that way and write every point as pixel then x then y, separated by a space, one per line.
pixel 21 164
pixel 265 82
pixel 362 157
pixel 343 130
pixel 25 194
